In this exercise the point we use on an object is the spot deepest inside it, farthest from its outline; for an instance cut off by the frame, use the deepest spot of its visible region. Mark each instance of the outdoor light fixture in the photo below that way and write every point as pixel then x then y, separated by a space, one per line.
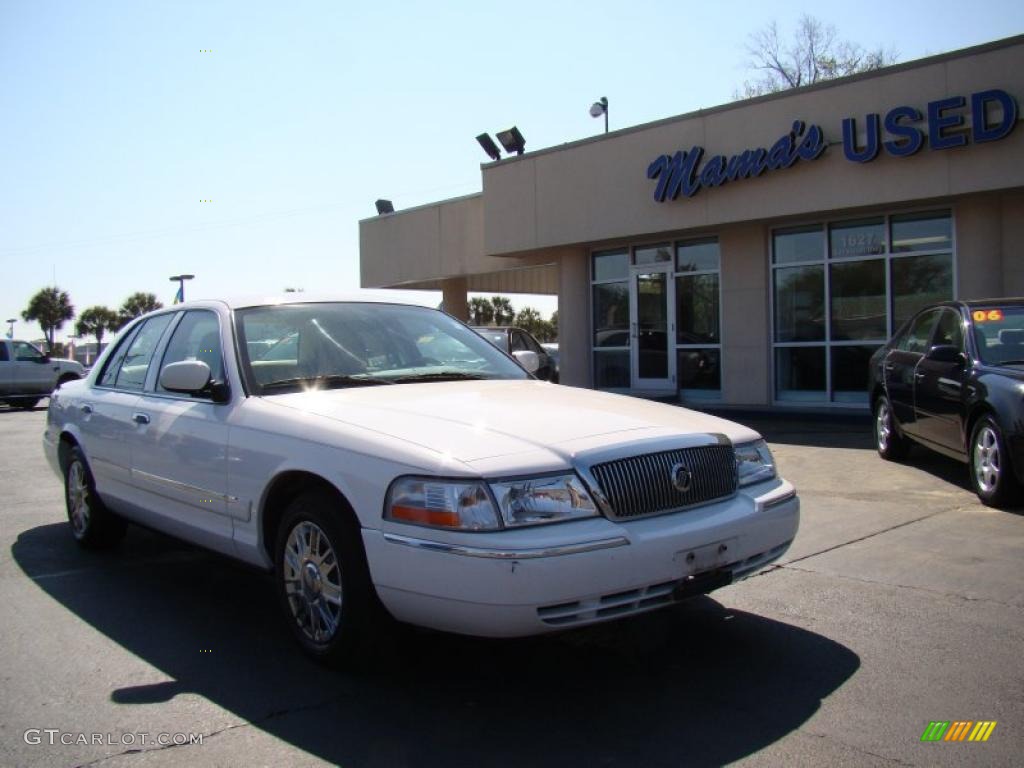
pixel 489 146
pixel 384 206
pixel 599 108
pixel 10 331
pixel 512 140
pixel 180 280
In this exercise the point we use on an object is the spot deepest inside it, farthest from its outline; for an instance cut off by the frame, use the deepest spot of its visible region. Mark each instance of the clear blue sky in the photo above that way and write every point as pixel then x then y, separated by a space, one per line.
pixel 113 124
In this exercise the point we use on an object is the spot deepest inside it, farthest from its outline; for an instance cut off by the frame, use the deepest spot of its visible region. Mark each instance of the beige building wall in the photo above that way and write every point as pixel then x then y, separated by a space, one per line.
pixel 746 321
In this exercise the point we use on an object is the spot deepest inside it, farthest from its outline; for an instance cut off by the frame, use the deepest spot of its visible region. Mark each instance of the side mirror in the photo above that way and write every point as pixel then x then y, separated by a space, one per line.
pixel 529 360
pixel 42 360
pixel 187 377
pixel 945 353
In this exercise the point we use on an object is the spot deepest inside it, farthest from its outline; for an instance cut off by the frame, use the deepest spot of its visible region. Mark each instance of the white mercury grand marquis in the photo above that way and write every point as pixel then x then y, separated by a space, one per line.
pixel 377 454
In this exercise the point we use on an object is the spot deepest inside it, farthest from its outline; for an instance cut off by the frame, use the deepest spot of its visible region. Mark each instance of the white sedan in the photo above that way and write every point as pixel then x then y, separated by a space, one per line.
pixel 382 457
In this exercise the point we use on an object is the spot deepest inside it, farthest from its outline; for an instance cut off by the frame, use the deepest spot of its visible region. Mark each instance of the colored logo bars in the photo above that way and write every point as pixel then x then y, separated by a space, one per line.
pixel 958 730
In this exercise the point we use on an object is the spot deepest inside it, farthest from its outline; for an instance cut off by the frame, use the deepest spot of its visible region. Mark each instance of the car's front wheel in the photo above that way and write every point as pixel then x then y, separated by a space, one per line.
pixel 890 443
pixel 92 524
pixel 991 470
pixel 323 582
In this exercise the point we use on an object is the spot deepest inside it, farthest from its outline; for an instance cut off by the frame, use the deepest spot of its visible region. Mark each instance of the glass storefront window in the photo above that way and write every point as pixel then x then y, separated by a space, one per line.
pixel 800 304
pixel 697 309
pixel 922 232
pixel 611 315
pixel 800 373
pixel 698 255
pixel 798 244
pixel 850 365
pixel 654 254
pixel 857 238
pixel 611 265
pixel 611 369
pixel 918 281
pixel 699 369
pixel 858 300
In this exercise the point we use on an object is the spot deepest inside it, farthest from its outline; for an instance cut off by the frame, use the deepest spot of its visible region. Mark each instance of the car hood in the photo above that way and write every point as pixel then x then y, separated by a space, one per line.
pixel 473 421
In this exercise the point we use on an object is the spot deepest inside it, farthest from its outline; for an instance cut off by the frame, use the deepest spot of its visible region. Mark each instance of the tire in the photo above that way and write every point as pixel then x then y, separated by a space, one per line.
pixel 92 524
pixel 991 467
pixel 323 581
pixel 26 404
pixel 891 445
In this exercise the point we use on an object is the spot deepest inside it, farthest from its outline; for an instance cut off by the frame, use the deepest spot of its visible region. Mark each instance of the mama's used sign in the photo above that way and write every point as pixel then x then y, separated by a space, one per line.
pixel 993 116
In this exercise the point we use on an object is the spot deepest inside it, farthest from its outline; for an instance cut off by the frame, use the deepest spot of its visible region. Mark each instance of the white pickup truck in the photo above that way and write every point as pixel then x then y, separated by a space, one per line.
pixel 27 374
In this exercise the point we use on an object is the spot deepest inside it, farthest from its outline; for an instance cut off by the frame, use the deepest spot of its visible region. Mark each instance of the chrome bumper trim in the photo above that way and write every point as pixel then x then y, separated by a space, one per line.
pixel 506 554
pixel 776 501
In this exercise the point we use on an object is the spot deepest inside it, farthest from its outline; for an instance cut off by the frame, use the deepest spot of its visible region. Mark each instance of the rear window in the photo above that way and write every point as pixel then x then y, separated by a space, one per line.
pixel 999 334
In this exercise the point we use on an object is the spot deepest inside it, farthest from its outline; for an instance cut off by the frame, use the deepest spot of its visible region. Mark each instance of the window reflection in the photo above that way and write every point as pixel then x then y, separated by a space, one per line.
pixel 858 300
pixel 611 315
pixel 800 304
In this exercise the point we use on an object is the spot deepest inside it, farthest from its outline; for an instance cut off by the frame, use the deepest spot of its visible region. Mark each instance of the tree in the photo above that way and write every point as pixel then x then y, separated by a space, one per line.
pixel 135 305
pixel 504 314
pixel 815 54
pixel 481 311
pixel 96 321
pixel 51 308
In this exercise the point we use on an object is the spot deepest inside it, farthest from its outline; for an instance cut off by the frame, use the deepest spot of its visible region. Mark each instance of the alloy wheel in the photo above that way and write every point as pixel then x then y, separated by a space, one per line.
pixel 987 461
pixel 78 498
pixel 312 582
pixel 883 426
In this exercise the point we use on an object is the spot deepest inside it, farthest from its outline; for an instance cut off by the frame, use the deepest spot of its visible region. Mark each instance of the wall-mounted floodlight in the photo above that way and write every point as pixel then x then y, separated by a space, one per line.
pixel 512 140
pixel 599 108
pixel 489 146
pixel 384 206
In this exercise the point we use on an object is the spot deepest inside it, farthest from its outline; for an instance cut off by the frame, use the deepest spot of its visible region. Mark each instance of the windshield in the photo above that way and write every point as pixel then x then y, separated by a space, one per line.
pixel 302 346
pixel 999 334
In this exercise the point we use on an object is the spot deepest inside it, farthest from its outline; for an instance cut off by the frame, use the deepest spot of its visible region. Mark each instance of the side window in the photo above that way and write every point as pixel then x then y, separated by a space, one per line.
pixel 519 342
pixel 197 337
pixel 132 372
pixel 919 333
pixel 26 353
pixel 949 330
pixel 532 345
pixel 3 352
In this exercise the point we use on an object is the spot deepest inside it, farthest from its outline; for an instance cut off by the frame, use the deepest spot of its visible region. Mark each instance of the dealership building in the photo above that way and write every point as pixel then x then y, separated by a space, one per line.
pixel 750 255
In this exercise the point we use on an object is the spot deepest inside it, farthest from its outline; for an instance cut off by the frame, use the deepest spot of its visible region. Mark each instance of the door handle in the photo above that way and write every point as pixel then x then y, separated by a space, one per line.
pixel 140 418
pixel 86 409
pixel 918 376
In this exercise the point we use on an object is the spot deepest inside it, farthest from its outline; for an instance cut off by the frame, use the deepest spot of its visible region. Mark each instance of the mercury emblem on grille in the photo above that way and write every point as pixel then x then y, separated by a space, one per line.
pixel 682 478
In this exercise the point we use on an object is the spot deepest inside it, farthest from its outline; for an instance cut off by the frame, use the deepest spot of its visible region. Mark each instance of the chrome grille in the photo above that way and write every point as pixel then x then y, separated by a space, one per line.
pixel 638 486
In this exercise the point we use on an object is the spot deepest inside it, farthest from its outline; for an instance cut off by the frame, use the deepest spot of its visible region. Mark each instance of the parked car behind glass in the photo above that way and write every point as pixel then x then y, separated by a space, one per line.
pixel 511 340
pixel 952 380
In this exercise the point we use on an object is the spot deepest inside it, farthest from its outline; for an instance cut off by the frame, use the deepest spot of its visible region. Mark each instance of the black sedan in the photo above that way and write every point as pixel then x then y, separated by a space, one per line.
pixel 952 379
pixel 509 340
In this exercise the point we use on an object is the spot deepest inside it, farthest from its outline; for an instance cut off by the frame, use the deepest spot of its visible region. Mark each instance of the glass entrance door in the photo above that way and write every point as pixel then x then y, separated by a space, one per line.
pixel 652 330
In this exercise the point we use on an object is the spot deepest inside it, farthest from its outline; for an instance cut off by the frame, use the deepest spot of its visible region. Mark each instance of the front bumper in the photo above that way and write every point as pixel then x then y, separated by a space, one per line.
pixel 538 580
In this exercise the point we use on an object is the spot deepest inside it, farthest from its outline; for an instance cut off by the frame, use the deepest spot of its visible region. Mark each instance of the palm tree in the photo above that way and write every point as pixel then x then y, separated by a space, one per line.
pixel 135 305
pixel 481 311
pixel 503 312
pixel 96 321
pixel 51 308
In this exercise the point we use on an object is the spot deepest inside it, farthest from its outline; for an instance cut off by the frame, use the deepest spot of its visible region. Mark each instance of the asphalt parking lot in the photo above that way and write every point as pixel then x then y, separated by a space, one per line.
pixel 900 603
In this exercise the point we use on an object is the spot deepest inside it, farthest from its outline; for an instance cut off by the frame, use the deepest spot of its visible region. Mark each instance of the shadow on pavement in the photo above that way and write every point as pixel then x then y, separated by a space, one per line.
pixel 697 684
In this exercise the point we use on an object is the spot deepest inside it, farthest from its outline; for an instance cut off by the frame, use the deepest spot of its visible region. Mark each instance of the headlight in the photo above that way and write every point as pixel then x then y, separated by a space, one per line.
pixel 441 504
pixel 754 463
pixel 542 500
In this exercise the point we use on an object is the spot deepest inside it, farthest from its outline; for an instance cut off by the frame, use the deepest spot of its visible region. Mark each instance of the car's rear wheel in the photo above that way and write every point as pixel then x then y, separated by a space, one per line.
pixel 92 524
pixel 25 404
pixel 991 469
pixel 890 443
pixel 323 582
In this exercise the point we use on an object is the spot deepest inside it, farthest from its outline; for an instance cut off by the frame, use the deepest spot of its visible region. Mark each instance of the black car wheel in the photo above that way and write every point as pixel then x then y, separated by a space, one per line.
pixel 991 469
pixel 92 524
pixel 323 582
pixel 890 443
